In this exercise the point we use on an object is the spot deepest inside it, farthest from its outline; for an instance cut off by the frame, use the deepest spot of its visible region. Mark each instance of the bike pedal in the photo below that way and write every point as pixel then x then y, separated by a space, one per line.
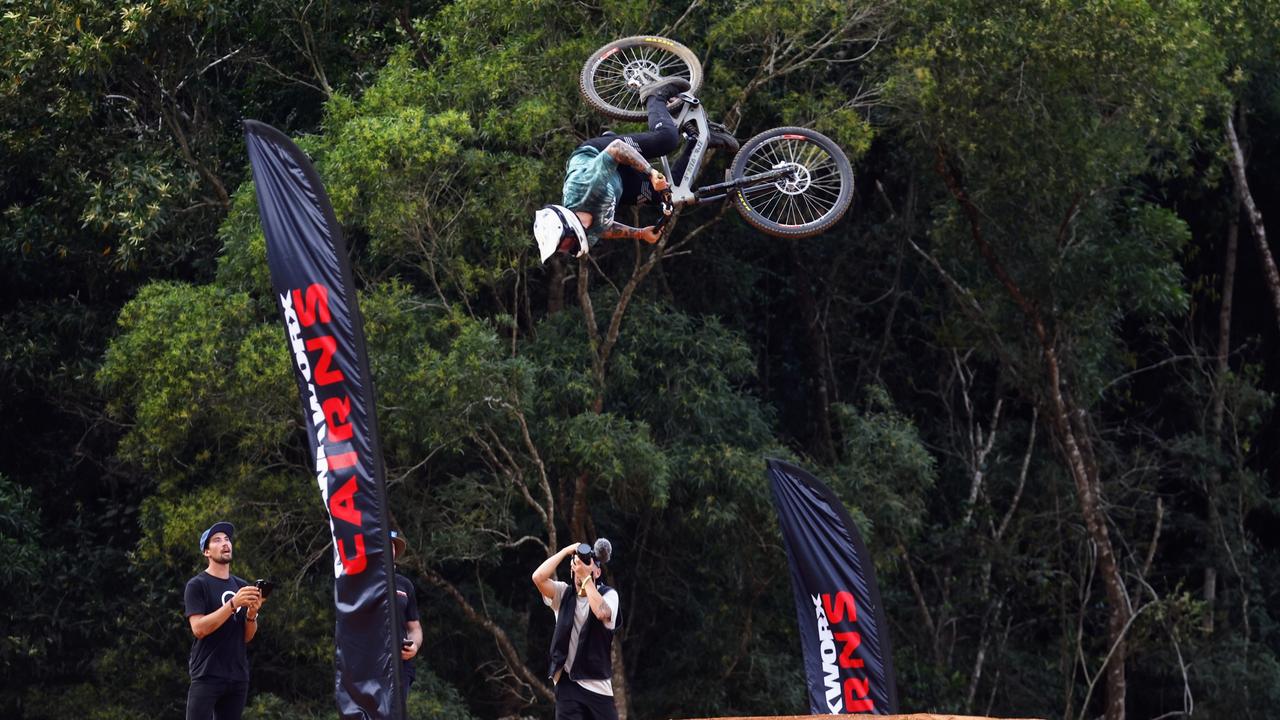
pixel 688 99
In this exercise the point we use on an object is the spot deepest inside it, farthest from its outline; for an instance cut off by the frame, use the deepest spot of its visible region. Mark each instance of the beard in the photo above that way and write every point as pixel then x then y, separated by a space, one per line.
pixel 221 560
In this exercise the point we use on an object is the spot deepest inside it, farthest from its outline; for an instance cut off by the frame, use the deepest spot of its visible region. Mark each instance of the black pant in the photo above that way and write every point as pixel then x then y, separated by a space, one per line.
pixel 662 137
pixel 407 676
pixel 216 699
pixel 573 702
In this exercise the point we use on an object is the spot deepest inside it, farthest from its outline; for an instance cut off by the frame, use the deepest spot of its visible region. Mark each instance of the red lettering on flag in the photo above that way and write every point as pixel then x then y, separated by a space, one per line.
pixel 353 565
pixel 342 504
pixel 336 410
pixel 851 642
pixel 344 460
pixel 860 687
pixel 844 603
pixel 325 375
pixel 317 301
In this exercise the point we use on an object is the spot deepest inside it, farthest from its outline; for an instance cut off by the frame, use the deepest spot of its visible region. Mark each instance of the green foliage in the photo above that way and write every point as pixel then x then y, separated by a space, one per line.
pixel 886 472
pixel 27 560
pixel 1059 216
pixel 119 118
pixel 430 698
pixel 1247 33
pixel 1239 679
pixel 618 453
pixel 194 359
pixel 19 534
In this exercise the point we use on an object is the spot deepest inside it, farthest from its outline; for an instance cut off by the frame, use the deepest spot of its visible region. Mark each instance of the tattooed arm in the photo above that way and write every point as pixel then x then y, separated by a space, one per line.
pixel 624 154
pixel 618 231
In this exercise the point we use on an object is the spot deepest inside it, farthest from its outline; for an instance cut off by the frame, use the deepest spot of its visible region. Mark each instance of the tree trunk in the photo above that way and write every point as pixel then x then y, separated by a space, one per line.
pixel 621 695
pixel 578 518
pixel 1210 595
pixel 601 348
pixel 1269 271
pixel 1068 423
pixel 555 285
pixel 818 358
pixel 1224 317
pixel 1219 399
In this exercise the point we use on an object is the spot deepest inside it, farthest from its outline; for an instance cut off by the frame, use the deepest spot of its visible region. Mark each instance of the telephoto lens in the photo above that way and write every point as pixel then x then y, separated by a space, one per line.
pixel 586 556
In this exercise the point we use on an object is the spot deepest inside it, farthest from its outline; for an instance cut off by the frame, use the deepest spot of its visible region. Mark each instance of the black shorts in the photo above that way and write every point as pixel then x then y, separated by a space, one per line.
pixel 660 139
pixel 574 702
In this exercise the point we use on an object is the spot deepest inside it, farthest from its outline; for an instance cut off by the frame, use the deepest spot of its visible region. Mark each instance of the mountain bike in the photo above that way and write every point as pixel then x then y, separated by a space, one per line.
pixel 787 181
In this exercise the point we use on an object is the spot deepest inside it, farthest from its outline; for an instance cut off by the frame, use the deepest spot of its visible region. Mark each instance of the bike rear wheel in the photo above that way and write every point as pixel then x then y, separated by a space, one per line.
pixel 810 199
pixel 613 74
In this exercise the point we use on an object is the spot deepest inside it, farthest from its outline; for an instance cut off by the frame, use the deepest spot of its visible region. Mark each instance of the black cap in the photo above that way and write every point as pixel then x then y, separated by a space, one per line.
pixel 220 526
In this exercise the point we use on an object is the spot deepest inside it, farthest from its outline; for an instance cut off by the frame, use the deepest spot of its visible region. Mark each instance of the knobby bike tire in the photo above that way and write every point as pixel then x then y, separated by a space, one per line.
pixel 603 90
pixel 765 206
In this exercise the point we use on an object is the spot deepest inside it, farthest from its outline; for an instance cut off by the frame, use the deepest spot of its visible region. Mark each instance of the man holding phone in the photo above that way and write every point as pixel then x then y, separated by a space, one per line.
pixel 407 605
pixel 222 610
pixel 582 644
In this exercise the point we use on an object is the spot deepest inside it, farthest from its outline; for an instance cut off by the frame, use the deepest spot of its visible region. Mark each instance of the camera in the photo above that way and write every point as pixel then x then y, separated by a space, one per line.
pixel 266 586
pixel 586 554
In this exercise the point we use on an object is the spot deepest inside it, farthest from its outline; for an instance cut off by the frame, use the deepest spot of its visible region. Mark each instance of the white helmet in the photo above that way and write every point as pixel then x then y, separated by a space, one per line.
pixel 552 224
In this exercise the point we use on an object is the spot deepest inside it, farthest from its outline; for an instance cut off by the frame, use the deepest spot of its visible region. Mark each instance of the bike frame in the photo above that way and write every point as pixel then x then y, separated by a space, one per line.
pixel 683 193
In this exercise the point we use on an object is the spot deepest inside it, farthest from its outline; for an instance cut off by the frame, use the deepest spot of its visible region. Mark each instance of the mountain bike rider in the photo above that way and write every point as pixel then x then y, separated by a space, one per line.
pixel 610 170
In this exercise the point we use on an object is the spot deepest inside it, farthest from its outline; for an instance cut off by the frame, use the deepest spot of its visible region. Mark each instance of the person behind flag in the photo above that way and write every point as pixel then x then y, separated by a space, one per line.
pixel 581 657
pixel 222 610
pixel 407 604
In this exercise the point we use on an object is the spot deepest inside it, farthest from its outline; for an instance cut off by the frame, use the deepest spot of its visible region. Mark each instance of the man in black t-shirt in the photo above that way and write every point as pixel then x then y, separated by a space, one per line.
pixel 222 610
pixel 407 604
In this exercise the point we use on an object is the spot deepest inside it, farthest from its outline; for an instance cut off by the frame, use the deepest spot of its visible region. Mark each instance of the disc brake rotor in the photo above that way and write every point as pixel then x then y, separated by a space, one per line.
pixel 796 182
pixel 640 72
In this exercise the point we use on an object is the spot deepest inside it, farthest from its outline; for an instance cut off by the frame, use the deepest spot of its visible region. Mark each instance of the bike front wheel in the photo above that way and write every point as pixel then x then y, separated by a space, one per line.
pixel 612 76
pixel 811 197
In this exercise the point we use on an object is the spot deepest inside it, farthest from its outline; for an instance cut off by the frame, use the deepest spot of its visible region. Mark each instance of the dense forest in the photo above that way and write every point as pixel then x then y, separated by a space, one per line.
pixel 1037 359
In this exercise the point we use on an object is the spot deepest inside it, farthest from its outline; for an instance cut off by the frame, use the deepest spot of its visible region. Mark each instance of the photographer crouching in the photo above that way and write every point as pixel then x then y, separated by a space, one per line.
pixel 581 663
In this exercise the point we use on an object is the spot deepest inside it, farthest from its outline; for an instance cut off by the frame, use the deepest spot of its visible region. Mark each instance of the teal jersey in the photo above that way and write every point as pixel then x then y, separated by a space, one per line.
pixel 592 184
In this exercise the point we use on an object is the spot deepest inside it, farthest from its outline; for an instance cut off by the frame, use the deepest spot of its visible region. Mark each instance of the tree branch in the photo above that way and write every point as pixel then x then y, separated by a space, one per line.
pixel 505 646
